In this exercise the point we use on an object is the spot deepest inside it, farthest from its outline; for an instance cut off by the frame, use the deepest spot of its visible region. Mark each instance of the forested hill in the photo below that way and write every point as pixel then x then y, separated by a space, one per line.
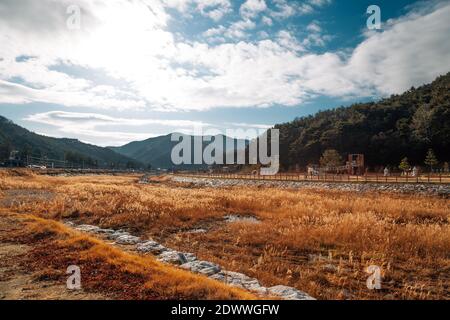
pixel 157 151
pixel 401 126
pixel 30 144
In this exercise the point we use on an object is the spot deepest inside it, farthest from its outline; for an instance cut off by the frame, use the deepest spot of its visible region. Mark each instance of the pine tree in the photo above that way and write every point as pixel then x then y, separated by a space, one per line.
pixel 431 159
pixel 330 158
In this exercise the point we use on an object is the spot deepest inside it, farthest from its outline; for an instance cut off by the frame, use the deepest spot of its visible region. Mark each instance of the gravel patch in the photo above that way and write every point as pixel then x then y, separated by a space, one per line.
pixel 430 189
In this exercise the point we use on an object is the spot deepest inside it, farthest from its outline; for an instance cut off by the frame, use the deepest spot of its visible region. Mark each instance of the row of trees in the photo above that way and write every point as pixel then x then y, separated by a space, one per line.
pixel 332 159
pixel 71 159
pixel 430 161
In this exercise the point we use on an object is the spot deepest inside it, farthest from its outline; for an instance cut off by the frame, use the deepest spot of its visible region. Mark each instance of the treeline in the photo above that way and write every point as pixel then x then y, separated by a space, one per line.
pixel 10 156
pixel 403 126
pixel 19 147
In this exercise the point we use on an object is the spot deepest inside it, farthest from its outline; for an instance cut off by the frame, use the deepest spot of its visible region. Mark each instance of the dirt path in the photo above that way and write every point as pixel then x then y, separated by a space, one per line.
pixel 18 283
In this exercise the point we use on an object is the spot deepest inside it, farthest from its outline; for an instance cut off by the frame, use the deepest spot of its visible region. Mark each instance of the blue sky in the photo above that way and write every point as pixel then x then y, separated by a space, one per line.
pixel 127 70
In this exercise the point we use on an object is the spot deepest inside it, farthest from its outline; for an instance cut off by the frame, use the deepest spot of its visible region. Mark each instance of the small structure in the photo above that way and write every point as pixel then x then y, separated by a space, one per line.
pixel 14 159
pixel 355 164
pixel 414 172
pixel 313 170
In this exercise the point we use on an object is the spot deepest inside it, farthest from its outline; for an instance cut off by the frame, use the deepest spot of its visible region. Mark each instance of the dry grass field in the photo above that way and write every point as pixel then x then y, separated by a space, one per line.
pixel 318 241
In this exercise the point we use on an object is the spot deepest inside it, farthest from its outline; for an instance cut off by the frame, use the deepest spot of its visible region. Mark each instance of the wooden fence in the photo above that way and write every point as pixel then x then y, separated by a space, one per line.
pixel 369 178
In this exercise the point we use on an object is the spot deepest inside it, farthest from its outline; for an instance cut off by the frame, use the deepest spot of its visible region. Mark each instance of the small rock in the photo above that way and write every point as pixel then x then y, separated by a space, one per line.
pixel 172 257
pixel 117 234
pixel 203 267
pixel 243 281
pixel 105 231
pixel 237 218
pixel 152 247
pixel 220 276
pixel 190 257
pixel 289 293
pixel 127 239
pixel 87 228
pixel 259 290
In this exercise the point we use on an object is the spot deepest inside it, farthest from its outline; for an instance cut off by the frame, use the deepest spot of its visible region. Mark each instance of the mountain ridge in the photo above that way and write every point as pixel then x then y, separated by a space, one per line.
pixel 157 151
pixel 30 144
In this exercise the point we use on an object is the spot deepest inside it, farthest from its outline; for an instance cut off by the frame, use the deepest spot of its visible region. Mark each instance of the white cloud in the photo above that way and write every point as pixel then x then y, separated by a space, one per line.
pixel 64 118
pixel 320 3
pixel 250 125
pixel 314 27
pixel 285 9
pixel 97 128
pixel 412 51
pixel 267 21
pixel 251 8
pixel 109 97
pixel 287 40
pixel 214 31
pixel 316 36
pixel 168 74
pixel 238 29
pixel 214 9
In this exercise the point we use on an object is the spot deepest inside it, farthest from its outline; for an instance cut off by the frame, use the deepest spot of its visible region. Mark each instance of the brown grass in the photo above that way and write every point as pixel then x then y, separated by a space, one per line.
pixel 109 270
pixel 318 241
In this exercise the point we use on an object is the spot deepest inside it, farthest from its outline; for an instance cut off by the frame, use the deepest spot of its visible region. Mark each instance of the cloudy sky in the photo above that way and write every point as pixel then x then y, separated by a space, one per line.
pixel 140 68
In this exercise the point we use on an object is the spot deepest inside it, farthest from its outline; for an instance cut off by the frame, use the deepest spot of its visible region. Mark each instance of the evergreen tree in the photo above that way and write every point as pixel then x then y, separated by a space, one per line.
pixel 446 167
pixel 431 159
pixel 330 159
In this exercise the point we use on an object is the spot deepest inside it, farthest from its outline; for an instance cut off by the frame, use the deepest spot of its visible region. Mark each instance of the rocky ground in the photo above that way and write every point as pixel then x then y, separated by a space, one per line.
pixel 189 261
pixel 427 189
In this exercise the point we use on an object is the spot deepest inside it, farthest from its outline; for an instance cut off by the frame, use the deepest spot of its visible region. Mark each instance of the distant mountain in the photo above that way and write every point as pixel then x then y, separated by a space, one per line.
pixel 157 151
pixel 385 132
pixel 29 144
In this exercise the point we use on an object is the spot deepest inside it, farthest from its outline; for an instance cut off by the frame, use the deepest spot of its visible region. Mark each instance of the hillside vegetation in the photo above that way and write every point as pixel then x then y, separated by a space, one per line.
pixel 157 151
pixel 14 137
pixel 401 126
